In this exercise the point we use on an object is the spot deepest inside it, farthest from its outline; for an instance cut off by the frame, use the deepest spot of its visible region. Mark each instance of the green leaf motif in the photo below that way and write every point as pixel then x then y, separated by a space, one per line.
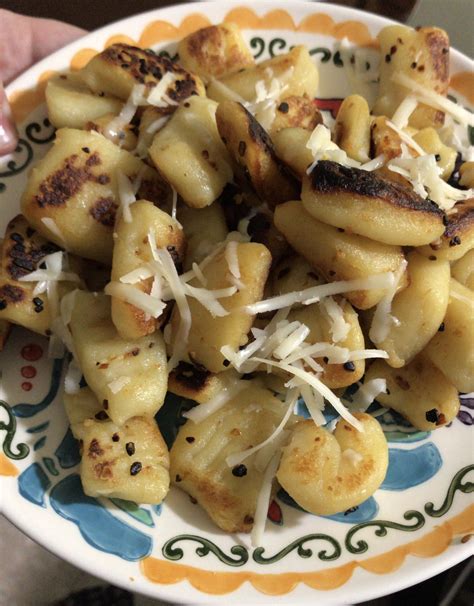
pixel 302 551
pixel 176 553
pixel 382 528
pixel 10 427
pixel 455 485
pixel 257 44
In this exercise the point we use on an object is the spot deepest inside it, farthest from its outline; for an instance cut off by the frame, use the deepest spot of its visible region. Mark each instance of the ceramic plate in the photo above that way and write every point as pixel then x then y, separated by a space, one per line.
pixel 415 526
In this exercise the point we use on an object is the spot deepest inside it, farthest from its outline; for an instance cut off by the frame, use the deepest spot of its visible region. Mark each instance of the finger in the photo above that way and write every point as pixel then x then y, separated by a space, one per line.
pixel 8 134
pixel 26 40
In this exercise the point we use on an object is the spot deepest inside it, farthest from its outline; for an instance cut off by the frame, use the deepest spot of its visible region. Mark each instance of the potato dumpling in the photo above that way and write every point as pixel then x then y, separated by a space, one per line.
pixel 296 69
pixel 445 156
pixel 363 203
pixel 451 348
pixel 71 104
pixel 293 273
pixel 131 251
pixel 463 270
pixel 129 461
pixel 215 51
pixel 386 141
pixel 198 384
pixel 190 154
pixel 427 293
pixel 252 149
pixel 317 320
pixel 328 473
pixel 422 55
pixel 118 68
pixel 296 112
pixel 209 334
pixel 419 392
pixel 21 252
pixel 81 406
pixel 336 254
pixel 124 137
pixel 152 120
pixel 290 146
pixel 466 172
pixel 458 236
pixel 352 128
pixel 128 376
pixel 204 229
pixel 198 457
pixel 76 186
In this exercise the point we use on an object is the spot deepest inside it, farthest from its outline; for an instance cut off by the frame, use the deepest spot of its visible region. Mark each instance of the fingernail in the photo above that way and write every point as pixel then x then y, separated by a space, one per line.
pixel 8 134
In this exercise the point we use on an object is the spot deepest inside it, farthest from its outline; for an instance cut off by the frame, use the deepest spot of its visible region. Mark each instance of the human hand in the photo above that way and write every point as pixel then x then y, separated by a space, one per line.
pixel 24 41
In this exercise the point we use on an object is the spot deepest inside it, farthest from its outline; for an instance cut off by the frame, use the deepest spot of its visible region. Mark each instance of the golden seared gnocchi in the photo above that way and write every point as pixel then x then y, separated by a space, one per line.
pixel 352 128
pixel 80 405
pixel 429 139
pixel 451 347
pixel 124 137
pixel 385 140
pixel 458 236
pixel 204 229
pixel 198 457
pixel 22 251
pixel 419 392
pixel 293 273
pixel 120 67
pixel 463 270
pixel 295 70
pixel 290 146
pixel 296 112
pixel 422 54
pixel 189 153
pixel 323 330
pixel 129 377
pixel 209 334
pixel 196 383
pixel 427 293
pixel 75 188
pixel 215 51
pixel 71 103
pixel 336 254
pixel 252 149
pixel 327 473
pixel 466 171
pixel 363 203
pixel 131 251
pixel 128 461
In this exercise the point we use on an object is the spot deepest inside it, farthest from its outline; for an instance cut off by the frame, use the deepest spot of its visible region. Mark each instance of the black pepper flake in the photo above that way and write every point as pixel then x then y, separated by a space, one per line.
pixel 432 416
pixel 226 363
pixel 339 229
pixel 193 500
pixel 393 49
pixel 325 359
pixel 351 510
pixel 3 304
pixel 86 150
pixel 205 154
pixel 432 258
pixel 437 157
pixel 105 404
pixel 283 107
pixel 349 366
pixel 130 448
pixel 445 220
pixel 178 478
pixel 190 439
pixel 187 104
pixel 135 351
pixel 115 438
pixel 456 241
pixel 239 471
pixel 413 65
pixel 135 468
pixel 38 302
pixel 248 520
pixel 388 58
pixel 445 51
pixel 101 415
pixel 242 148
pixel 441 327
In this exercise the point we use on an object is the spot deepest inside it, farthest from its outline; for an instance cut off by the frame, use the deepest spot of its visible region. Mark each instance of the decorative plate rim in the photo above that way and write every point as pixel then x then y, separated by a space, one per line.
pixel 25 99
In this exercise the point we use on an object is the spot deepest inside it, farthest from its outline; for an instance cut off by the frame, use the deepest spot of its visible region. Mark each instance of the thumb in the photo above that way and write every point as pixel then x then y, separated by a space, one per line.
pixel 8 134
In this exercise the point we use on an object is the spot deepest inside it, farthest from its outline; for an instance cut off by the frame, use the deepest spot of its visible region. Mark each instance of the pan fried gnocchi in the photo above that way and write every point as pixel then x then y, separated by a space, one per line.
pixel 200 227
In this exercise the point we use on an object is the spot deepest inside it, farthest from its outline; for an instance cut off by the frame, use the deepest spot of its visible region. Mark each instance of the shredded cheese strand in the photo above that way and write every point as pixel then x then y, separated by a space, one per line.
pixel 263 501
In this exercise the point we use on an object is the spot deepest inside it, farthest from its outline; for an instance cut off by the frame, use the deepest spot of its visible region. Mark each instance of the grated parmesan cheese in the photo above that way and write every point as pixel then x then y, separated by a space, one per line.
pixel 127 196
pixel 117 125
pixel 118 384
pixel 203 411
pixel 403 112
pixel 383 320
pixel 73 378
pixel 339 328
pixel 367 393
pixel 263 500
pixel 352 456
pixel 52 226
pixel 158 95
pixel 134 296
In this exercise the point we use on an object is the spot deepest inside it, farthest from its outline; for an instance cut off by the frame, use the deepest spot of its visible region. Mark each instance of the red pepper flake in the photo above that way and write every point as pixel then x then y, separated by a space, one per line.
pixel 239 471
